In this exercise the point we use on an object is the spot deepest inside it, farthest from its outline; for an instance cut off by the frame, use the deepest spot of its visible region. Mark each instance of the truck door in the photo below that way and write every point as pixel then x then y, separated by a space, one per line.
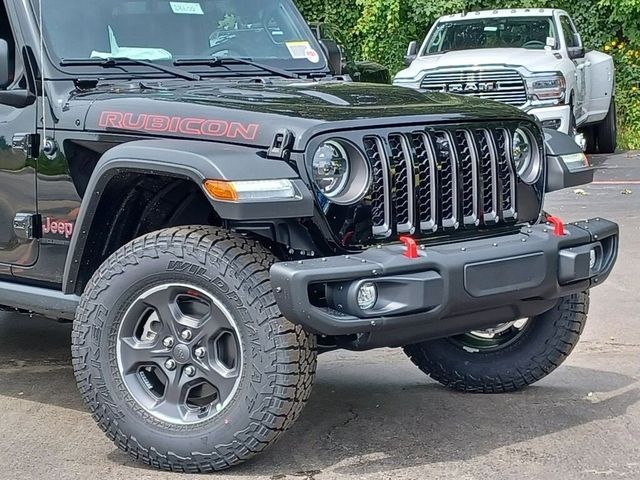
pixel 17 171
pixel 581 94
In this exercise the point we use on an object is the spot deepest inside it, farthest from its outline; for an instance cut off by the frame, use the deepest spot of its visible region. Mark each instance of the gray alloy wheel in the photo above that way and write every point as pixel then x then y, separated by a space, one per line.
pixel 179 353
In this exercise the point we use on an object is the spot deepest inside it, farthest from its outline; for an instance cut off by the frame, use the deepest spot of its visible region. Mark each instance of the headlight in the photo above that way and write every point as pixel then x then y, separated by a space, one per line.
pixel 526 157
pixel 547 87
pixel 331 168
pixel 340 172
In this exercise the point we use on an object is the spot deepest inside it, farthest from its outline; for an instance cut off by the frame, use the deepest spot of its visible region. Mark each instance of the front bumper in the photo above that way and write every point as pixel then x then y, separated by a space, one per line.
pixel 448 289
pixel 556 117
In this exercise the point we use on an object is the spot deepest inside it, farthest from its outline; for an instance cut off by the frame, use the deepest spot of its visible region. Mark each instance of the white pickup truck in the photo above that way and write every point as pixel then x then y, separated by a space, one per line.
pixel 533 59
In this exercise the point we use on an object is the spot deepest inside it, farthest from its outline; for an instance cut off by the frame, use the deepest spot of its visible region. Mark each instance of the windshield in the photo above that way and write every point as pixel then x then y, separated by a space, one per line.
pixel 165 31
pixel 535 33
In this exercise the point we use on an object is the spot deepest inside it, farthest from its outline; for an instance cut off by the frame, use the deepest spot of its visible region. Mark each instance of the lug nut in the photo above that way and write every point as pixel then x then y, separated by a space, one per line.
pixel 168 342
pixel 200 352
pixel 186 334
pixel 170 364
pixel 189 371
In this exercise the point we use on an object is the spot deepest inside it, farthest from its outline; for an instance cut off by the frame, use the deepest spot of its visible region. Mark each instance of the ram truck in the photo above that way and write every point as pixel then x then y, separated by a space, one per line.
pixel 212 209
pixel 533 59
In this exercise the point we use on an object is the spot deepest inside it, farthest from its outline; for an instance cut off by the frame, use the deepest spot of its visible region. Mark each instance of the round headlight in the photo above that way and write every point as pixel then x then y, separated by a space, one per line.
pixel 341 172
pixel 522 151
pixel 331 168
pixel 526 158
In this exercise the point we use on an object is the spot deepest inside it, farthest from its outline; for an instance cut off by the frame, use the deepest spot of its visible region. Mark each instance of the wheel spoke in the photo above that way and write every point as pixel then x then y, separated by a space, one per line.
pixel 224 380
pixel 134 353
pixel 172 404
pixel 163 302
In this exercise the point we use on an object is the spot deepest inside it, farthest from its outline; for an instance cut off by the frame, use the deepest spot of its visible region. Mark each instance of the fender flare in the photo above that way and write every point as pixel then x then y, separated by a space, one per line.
pixel 190 160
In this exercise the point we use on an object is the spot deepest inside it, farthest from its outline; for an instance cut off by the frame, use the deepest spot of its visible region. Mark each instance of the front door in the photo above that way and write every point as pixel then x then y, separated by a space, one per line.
pixel 17 171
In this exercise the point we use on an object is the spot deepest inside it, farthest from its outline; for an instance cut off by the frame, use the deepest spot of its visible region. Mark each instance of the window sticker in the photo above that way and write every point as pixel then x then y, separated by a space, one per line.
pixel 300 50
pixel 186 8
pixel 551 42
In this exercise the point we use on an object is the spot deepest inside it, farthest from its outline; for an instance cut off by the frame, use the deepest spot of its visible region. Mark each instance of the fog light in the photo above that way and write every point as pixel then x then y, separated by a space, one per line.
pixel 367 296
pixel 593 258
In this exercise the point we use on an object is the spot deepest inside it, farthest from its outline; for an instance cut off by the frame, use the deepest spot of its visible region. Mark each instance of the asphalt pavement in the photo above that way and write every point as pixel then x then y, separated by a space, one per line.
pixel 374 415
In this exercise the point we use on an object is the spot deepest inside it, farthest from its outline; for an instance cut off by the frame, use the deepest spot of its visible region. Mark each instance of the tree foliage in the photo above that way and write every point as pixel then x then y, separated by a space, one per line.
pixel 380 30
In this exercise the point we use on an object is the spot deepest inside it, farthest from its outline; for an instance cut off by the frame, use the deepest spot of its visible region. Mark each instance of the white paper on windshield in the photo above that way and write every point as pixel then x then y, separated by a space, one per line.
pixel 490 29
pixel 303 49
pixel 551 42
pixel 137 53
pixel 186 8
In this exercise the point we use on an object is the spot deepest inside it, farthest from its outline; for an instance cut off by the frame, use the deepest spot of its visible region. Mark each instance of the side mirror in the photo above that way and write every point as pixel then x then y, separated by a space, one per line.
pixel 576 52
pixel 567 165
pixel 5 64
pixel 412 53
pixel 334 55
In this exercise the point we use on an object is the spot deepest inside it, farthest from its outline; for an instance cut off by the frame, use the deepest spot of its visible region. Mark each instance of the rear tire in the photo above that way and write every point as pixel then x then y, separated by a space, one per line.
pixel 608 131
pixel 523 359
pixel 199 401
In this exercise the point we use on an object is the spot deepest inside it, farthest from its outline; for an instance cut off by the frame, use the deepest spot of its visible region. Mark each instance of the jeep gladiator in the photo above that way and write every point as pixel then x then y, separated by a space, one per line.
pixel 534 59
pixel 212 209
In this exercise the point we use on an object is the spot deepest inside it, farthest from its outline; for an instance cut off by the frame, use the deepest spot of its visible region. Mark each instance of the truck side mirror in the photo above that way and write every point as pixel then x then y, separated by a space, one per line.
pixel 5 64
pixel 412 53
pixel 334 55
pixel 576 52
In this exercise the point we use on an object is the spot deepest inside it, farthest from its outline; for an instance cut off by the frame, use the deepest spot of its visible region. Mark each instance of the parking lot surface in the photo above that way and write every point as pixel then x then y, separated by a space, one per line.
pixel 374 415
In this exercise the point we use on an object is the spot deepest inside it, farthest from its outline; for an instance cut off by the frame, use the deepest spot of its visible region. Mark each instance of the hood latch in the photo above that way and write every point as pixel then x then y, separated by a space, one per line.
pixel 281 145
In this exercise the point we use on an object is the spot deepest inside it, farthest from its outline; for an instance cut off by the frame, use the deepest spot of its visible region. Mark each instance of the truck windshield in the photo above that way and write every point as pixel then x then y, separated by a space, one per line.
pixel 535 33
pixel 267 31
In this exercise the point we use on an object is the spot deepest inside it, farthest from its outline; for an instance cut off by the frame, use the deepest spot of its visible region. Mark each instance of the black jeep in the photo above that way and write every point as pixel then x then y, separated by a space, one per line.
pixel 189 183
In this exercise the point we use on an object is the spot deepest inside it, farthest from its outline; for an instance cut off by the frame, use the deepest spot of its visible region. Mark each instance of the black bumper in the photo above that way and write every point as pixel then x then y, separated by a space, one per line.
pixel 448 289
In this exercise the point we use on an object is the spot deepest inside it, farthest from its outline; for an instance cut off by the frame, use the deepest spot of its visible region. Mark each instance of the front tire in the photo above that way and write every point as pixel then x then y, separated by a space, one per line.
pixel 608 131
pixel 514 359
pixel 181 354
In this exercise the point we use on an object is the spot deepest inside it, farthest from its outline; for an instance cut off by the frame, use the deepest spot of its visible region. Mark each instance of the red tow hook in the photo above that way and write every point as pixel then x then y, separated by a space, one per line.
pixel 411 247
pixel 558 226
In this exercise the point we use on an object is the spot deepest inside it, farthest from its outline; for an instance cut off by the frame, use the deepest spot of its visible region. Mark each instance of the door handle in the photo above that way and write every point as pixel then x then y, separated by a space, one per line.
pixel 28 143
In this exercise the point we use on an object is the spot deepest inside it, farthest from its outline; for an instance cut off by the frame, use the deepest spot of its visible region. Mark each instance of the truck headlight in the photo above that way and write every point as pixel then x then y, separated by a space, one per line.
pixel 526 157
pixel 340 172
pixel 547 87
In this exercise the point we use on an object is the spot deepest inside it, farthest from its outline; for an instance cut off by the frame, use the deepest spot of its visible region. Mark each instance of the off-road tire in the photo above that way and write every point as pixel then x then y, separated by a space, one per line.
pixel 542 348
pixel 608 131
pixel 279 365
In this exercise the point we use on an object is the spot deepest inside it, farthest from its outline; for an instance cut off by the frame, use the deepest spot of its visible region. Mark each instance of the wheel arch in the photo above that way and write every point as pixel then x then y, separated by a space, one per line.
pixel 147 185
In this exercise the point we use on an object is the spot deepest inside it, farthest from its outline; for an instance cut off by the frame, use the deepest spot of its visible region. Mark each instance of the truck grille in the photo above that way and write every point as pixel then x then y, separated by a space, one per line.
pixel 502 85
pixel 440 179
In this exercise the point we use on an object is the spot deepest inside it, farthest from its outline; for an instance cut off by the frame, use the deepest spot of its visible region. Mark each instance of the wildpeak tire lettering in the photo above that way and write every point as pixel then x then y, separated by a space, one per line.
pixel 191 126
pixel 57 227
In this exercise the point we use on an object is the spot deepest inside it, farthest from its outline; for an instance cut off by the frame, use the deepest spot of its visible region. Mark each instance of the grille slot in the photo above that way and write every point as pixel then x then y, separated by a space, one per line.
pixel 502 85
pixel 448 179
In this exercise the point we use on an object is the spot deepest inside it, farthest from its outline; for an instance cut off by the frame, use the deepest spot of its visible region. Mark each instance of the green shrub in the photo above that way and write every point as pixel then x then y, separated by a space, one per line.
pixel 380 30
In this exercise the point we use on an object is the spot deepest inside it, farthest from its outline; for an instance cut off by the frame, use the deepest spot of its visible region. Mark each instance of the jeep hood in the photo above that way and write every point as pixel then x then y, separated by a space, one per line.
pixel 253 113
pixel 532 60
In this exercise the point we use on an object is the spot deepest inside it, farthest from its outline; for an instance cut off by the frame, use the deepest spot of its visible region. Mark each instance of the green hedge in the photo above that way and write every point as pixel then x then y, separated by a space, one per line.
pixel 380 30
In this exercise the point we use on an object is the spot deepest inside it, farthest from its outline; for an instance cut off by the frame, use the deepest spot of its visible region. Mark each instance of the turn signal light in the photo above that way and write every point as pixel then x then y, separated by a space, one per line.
pixel 220 190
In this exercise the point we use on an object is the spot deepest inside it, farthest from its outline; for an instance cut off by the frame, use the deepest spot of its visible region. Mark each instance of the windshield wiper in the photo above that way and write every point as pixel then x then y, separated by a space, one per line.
pixel 226 61
pixel 117 62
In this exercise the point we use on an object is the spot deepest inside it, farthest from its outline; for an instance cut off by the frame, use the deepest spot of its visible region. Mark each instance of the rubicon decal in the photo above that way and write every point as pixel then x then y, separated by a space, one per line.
pixel 57 227
pixel 192 126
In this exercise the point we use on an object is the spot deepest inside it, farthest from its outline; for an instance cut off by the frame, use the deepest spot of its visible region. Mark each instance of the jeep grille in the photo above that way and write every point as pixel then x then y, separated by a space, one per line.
pixel 441 179
pixel 502 85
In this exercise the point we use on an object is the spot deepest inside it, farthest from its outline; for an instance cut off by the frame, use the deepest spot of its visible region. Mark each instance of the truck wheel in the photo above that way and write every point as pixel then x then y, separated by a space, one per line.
pixel 182 355
pixel 608 131
pixel 508 357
